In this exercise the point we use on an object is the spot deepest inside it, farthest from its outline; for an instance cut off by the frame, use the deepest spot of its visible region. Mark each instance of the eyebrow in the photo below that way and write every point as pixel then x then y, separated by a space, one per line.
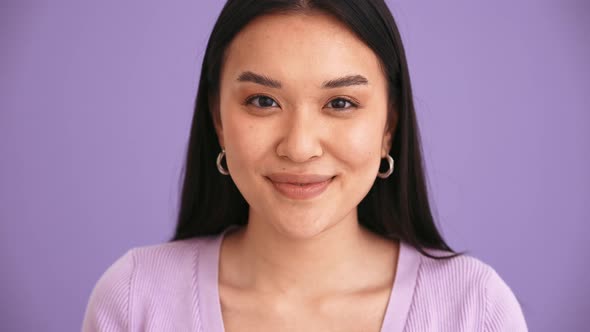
pixel 348 80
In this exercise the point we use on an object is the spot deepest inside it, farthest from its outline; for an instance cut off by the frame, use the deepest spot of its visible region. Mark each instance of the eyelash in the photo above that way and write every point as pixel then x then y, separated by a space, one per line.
pixel 352 103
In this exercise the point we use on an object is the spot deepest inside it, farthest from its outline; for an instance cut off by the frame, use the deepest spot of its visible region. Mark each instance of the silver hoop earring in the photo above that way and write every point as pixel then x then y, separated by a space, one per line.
pixel 219 167
pixel 390 170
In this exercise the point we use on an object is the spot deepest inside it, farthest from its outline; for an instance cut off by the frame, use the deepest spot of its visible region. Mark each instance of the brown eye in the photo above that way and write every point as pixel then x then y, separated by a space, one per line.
pixel 262 101
pixel 341 103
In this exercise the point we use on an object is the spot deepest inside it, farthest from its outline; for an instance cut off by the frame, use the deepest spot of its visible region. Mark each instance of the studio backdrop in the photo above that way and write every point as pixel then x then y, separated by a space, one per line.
pixel 96 101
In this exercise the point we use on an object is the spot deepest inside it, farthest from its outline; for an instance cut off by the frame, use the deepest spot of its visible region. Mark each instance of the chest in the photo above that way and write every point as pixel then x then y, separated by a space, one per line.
pixel 358 312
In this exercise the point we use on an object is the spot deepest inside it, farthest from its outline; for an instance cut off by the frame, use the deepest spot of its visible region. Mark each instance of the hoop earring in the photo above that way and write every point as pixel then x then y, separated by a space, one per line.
pixel 219 167
pixel 390 170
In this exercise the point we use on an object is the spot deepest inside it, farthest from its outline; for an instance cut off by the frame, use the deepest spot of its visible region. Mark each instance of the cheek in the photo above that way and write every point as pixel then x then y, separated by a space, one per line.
pixel 244 143
pixel 358 144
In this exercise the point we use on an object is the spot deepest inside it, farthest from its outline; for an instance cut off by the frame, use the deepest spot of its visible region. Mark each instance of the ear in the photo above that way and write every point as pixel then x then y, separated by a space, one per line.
pixel 215 112
pixel 389 131
pixel 219 131
pixel 386 144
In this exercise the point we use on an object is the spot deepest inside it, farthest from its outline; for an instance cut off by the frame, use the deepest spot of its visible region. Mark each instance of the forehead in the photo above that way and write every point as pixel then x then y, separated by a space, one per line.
pixel 300 48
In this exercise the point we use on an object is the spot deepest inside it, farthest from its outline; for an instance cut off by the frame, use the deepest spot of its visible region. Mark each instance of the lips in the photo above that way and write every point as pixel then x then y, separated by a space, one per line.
pixel 298 178
pixel 300 186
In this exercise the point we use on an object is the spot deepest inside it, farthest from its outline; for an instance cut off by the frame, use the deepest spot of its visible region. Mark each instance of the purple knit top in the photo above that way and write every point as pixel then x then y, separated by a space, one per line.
pixel 174 287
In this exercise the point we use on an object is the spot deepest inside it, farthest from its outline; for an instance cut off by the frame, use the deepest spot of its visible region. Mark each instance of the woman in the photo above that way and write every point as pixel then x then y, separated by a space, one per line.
pixel 304 204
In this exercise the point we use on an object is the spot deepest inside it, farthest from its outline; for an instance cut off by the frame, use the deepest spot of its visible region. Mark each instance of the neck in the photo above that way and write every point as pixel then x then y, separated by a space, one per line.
pixel 342 258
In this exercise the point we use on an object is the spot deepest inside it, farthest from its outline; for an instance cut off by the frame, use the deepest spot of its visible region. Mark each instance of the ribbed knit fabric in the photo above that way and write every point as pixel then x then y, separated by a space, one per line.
pixel 173 287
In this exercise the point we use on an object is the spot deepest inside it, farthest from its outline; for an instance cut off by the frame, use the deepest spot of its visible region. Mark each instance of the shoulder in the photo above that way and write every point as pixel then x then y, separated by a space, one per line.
pixel 108 306
pixel 464 270
pixel 165 262
pixel 141 274
pixel 466 287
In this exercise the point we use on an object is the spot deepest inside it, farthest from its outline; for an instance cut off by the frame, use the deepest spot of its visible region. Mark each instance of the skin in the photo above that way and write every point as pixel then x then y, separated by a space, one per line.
pixel 303 265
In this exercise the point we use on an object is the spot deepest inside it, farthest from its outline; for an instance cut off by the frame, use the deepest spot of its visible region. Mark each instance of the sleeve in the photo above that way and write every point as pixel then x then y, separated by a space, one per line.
pixel 108 307
pixel 503 312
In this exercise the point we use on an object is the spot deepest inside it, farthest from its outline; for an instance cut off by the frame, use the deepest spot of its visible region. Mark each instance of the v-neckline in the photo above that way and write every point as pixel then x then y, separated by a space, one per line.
pixel 209 302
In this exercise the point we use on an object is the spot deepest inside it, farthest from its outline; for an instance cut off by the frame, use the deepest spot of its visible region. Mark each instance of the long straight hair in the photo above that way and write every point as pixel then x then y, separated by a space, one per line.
pixel 396 207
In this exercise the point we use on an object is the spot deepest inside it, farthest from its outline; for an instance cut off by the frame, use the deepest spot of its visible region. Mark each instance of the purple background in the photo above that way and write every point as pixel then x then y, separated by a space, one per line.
pixel 96 101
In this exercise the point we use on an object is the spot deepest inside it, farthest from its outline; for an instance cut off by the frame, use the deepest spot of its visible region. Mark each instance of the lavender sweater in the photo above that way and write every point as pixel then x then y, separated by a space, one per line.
pixel 173 287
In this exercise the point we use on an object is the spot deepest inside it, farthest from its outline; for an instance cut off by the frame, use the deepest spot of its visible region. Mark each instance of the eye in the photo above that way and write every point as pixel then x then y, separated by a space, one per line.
pixel 261 101
pixel 341 103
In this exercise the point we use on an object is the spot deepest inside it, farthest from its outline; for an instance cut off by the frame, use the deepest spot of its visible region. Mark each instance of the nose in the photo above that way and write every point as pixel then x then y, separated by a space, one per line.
pixel 300 137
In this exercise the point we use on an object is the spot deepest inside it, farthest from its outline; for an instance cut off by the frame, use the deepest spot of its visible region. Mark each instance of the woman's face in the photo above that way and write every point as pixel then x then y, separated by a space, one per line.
pixel 302 100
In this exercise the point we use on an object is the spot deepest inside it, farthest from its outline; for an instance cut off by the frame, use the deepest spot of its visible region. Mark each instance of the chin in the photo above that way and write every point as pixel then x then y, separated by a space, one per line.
pixel 301 228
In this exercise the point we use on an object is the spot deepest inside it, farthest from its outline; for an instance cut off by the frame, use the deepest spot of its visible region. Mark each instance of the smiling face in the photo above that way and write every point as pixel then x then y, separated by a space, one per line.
pixel 302 101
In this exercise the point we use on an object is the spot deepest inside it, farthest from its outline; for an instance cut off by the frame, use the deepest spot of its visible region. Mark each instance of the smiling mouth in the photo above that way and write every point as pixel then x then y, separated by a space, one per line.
pixel 301 191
